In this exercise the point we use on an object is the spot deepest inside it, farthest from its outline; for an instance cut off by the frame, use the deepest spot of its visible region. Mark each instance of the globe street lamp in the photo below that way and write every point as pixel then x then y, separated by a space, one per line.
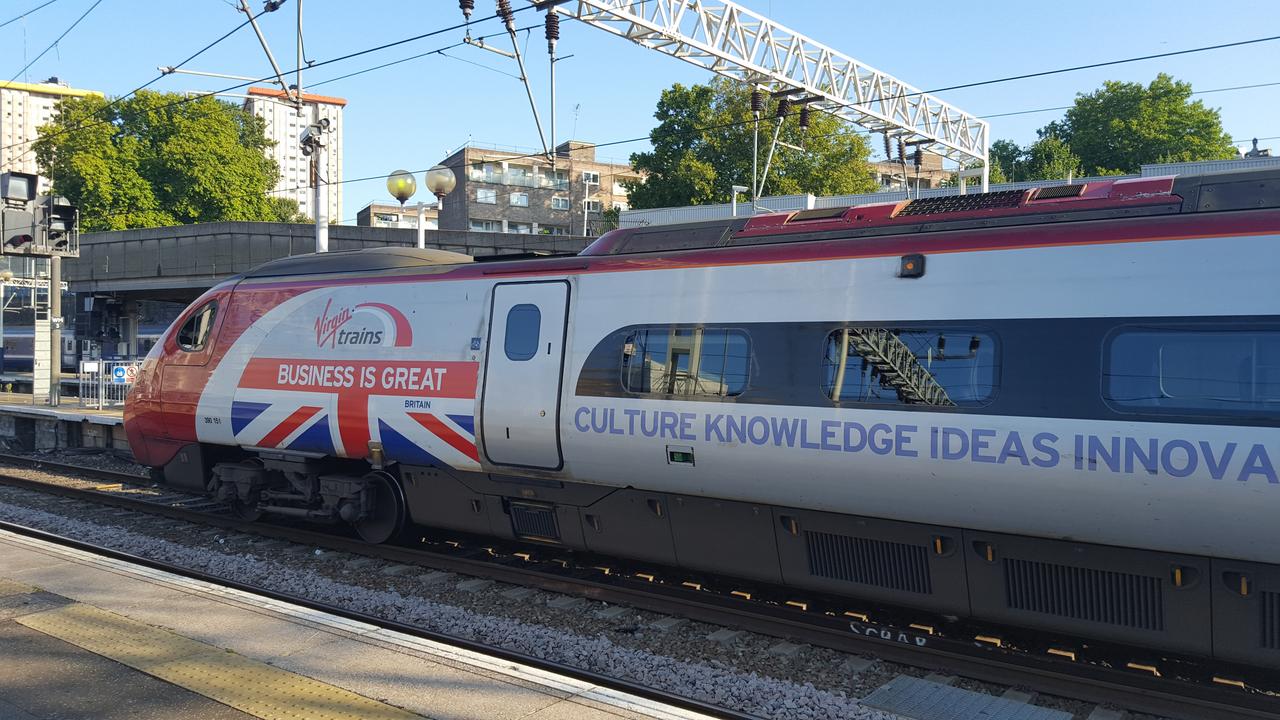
pixel 402 186
pixel 440 181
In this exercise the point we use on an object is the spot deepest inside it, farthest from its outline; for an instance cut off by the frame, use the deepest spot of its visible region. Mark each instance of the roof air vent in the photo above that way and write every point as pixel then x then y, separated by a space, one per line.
pixel 1060 191
pixel 819 214
pixel 962 203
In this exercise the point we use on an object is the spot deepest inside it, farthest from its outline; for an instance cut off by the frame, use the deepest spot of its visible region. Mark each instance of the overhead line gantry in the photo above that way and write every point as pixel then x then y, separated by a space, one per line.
pixel 736 43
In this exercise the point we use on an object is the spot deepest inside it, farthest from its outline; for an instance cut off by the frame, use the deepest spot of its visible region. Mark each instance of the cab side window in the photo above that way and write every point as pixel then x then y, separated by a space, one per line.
pixel 194 333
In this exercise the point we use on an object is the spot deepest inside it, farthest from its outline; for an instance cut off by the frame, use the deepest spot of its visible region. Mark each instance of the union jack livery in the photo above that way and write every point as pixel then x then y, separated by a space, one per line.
pixel 1057 408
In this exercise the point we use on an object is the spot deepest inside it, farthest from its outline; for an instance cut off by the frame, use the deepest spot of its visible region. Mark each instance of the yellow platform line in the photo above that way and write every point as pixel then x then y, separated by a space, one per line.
pixel 250 686
pixel 9 587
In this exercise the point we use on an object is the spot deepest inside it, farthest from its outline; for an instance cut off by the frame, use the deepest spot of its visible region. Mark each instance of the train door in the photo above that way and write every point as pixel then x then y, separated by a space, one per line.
pixel 520 407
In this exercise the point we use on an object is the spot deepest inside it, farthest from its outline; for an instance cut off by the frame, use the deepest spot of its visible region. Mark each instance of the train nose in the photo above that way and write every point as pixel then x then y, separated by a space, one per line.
pixel 143 414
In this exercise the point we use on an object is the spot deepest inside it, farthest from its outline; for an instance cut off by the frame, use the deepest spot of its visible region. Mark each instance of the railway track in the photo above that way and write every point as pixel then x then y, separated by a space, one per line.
pixel 1136 679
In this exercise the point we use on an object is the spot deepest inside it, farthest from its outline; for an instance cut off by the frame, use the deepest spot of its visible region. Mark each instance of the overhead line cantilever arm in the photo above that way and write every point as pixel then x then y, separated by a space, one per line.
pixel 244 7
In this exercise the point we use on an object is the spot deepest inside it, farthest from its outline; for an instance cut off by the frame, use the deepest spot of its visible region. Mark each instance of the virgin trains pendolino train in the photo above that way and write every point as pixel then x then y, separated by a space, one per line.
pixel 1057 408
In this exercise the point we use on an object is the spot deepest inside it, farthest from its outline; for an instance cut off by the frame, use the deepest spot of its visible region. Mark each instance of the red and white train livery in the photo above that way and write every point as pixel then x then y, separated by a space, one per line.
pixel 1056 408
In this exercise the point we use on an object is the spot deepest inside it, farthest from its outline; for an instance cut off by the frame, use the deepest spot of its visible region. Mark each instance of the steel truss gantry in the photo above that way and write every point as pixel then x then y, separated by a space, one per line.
pixel 737 43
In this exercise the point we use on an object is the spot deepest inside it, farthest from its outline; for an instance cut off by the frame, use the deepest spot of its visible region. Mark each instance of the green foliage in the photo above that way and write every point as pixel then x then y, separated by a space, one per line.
pixel 1116 130
pixel 157 163
pixel 702 146
pixel 1121 126
pixel 609 218
pixel 1005 155
pixel 1050 159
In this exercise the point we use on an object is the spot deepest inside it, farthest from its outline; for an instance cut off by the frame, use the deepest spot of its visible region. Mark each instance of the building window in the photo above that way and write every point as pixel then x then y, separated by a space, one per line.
pixel 524 324
pixel 685 361
pixel 619 206
pixel 488 196
pixel 484 172
pixel 592 205
pixel 559 203
pixel 557 179
pixel 590 177
pixel 618 189
pixel 1194 369
pixel 520 175
pixel 553 230
pixel 519 227
pixel 910 366
pixel 485 225
pixel 194 333
pixel 520 199
pixel 386 219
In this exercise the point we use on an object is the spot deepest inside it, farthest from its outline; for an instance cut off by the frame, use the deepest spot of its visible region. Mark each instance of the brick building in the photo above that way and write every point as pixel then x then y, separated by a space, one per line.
pixel 520 192
pixel 395 215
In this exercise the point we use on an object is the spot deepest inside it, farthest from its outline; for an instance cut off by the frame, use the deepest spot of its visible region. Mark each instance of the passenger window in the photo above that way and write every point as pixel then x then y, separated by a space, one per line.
pixel 1191 369
pixel 910 366
pixel 194 333
pixel 524 324
pixel 686 361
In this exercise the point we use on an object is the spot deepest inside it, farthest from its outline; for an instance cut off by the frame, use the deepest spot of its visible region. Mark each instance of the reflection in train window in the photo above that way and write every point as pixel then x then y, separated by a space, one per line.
pixel 194 333
pixel 686 361
pixel 910 366
pixel 1191 369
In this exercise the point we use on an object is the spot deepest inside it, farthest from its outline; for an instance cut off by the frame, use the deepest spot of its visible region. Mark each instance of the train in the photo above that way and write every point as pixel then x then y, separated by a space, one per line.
pixel 17 347
pixel 1055 408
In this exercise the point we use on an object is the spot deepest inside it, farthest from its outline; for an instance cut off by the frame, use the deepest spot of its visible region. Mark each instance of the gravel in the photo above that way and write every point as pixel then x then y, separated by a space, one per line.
pixel 676 671
pixel 618 641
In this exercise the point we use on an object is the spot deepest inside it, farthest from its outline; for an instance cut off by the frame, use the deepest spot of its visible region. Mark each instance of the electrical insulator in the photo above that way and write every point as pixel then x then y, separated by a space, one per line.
pixel 919 158
pixel 504 12
pixel 467 6
pixel 553 30
pixel 804 117
pixel 784 104
pixel 888 155
pixel 902 150
pixel 757 101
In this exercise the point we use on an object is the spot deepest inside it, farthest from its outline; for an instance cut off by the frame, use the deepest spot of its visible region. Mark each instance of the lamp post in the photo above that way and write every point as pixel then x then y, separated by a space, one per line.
pixel 735 189
pixel 5 276
pixel 440 181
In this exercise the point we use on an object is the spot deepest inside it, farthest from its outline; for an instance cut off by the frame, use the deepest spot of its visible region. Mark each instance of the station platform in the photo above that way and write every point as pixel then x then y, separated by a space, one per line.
pixel 82 636
pixel 26 427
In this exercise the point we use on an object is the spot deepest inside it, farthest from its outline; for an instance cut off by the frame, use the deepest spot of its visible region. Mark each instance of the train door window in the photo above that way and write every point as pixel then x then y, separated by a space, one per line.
pixel 194 333
pixel 524 324
pixel 1234 371
pixel 910 366
pixel 685 361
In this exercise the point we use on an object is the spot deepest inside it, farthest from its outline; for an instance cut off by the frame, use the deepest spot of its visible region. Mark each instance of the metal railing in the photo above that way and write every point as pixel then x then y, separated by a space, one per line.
pixel 105 383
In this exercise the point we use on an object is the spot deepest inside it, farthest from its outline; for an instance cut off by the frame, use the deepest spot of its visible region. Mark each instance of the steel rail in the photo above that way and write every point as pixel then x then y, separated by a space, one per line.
pixel 576 673
pixel 1094 683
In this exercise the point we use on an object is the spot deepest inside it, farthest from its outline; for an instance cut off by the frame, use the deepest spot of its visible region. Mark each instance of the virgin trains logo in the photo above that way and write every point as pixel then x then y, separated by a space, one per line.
pixel 383 325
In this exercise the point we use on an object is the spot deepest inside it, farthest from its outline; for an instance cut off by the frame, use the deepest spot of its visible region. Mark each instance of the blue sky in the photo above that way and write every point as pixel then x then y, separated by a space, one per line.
pixel 410 115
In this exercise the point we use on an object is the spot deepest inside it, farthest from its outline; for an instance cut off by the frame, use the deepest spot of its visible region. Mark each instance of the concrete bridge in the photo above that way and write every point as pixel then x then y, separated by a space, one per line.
pixel 179 263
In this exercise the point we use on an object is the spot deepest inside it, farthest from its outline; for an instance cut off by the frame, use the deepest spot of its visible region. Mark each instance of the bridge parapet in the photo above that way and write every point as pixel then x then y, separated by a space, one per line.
pixel 180 262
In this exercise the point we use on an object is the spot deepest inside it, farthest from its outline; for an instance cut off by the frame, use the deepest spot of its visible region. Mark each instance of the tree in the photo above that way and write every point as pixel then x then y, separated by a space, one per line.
pixel 1005 156
pixel 1121 126
pixel 1049 159
pixel 156 161
pixel 702 146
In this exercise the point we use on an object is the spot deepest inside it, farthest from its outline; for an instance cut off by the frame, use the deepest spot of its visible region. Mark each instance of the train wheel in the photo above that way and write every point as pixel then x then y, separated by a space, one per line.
pixel 385 518
pixel 247 511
